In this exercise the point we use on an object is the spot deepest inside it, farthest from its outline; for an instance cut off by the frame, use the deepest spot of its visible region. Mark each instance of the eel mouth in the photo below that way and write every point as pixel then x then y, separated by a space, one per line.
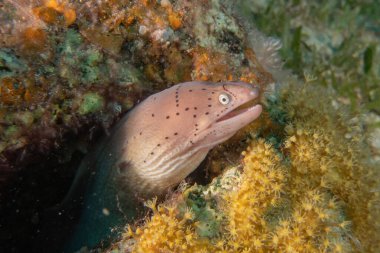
pixel 240 110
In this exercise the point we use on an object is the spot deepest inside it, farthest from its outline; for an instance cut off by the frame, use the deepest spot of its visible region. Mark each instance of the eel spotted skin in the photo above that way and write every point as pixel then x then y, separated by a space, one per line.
pixel 153 148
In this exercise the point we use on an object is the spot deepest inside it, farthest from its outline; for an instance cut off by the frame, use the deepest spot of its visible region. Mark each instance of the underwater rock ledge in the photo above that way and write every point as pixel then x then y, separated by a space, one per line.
pixel 67 67
pixel 70 69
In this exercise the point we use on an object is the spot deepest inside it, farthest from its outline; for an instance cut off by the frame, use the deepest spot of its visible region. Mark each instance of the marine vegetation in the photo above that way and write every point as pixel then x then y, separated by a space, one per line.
pixel 70 69
pixel 70 66
pixel 317 43
pixel 306 183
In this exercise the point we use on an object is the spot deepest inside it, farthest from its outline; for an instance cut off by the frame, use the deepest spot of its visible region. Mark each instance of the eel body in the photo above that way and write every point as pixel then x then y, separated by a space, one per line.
pixel 153 148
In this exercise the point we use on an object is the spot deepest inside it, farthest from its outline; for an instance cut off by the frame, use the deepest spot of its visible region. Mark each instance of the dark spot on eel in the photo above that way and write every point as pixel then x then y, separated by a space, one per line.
pixel 194 116
pixel 175 133
pixel 167 117
pixel 187 108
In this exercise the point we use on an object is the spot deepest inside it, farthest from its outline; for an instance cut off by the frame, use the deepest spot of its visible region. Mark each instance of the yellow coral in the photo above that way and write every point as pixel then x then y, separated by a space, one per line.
pixel 165 232
pixel 323 144
pixel 316 191
pixel 256 194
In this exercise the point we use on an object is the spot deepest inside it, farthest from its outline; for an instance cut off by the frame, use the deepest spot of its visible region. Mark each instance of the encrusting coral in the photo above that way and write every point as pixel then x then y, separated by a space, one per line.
pixel 55 52
pixel 330 148
pixel 175 234
pixel 70 69
pixel 309 185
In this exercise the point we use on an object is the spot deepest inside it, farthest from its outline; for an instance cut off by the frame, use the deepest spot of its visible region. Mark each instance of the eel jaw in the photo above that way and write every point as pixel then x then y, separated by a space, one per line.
pixel 226 126
pixel 237 112
pixel 236 119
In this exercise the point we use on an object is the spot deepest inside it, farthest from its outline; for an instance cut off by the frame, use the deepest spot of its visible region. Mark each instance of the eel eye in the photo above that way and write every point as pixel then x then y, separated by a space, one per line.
pixel 224 98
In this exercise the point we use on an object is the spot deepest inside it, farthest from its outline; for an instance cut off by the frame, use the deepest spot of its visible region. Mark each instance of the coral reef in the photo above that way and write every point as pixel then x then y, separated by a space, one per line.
pixel 70 69
pixel 308 185
pixel 307 182
pixel 71 65
pixel 166 232
pixel 317 44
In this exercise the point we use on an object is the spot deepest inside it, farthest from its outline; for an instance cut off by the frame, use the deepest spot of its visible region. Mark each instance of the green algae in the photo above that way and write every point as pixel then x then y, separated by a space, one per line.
pixel 205 212
pixel 91 103
pixel 80 63
pixel 316 42
pixel 26 118
pixel 10 65
pixel 275 111
pixel 11 131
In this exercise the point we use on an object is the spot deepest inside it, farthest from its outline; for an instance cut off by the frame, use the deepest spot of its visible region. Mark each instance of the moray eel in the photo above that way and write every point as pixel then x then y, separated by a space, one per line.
pixel 153 148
